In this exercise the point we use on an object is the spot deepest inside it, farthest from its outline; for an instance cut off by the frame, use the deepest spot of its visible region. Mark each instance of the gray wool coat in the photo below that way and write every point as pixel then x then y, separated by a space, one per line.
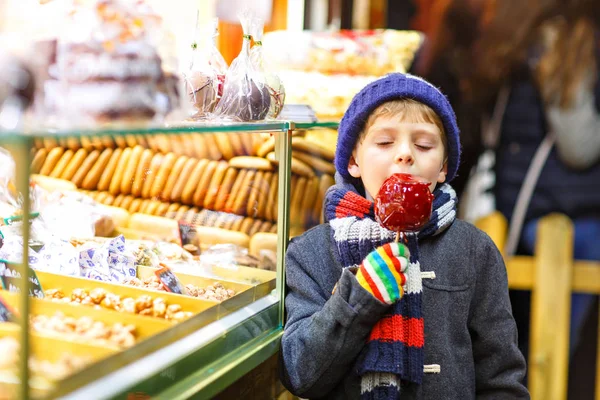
pixel 469 328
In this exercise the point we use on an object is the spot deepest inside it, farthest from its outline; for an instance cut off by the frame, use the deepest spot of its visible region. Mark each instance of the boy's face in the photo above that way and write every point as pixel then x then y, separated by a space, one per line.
pixel 393 146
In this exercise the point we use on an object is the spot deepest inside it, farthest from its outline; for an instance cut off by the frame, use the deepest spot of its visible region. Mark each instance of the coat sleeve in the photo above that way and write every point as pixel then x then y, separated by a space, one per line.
pixel 324 333
pixel 499 364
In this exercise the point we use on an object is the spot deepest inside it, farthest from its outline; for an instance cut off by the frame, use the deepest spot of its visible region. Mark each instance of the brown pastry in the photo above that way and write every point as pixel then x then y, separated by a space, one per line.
pixel 74 165
pixel 224 143
pixel 38 160
pixel 182 210
pixel 255 227
pixel 164 144
pixel 246 139
pixel 90 182
pixel 183 178
pixel 60 166
pixel 308 202
pixel 325 181
pixel 225 189
pixel 317 163
pixel 54 155
pixel 203 183
pixel 241 197
pixel 266 147
pixel 163 173
pixel 215 184
pixel 155 165
pixel 200 146
pixel 118 200
pixel 211 146
pixel 236 144
pixel 141 172
pixel 271 211
pixel 237 222
pixel 131 140
pixel 263 195
pixel 187 195
pixel 239 180
pixel 131 169
pixel 162 209
pixel 109 171
pixel 50 143
pixel 135 205
pixel 250 162
pixel 173 177
pixel 303 145
pixel 86 143
pixel 120 141
pixel 115 183
pixel 255 191
pixel 246 225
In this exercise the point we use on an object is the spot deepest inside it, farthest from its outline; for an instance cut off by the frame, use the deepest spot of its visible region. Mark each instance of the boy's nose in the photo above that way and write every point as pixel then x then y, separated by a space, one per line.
pixel 404 157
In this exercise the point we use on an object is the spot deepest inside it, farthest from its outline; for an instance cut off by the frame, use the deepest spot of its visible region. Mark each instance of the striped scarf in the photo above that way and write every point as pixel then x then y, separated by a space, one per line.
pixel 394 350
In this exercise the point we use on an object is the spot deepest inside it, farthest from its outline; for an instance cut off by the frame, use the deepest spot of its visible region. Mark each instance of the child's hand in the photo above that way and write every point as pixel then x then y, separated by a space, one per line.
pixel 382 272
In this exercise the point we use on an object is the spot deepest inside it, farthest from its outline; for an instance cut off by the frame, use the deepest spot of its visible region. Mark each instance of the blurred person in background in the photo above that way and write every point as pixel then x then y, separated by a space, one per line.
pixel 547 52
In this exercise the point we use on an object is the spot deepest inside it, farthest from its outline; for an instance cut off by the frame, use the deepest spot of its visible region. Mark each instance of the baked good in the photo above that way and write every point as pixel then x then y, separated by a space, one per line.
pixel 211 146
pixel 74 165
pixel 86 143
pixel 118 200
pixel 200 145
pixel 163 174
pixel 255 192
pixel 215 184
pixel 187 196
pixel 246 225
pixel 120 141
pixel 239 180
pixel 162 209
pixel 266 147
pixel 317 163
pixel 263 196
pixel 182 210
pixel 251 162
pixel 155 165
pixel 109 171
pixel 241 197
pixel 298 191
pixel 183 178
pixel 325 181
pixel 52 159
pixel 204 182
pixel 224 144
pixel 142 170
pixel 302 144
pixel 62 163
pixel 115 183
pixel 90 182
pixel 308 201
pixel 50 143
pixel 131 169
pixel 255 227
pixel 173 177
pixel 38 160
pixel 298 167
pixel 246 139
pixel 271 210
pixel 225 191
pixel 236 144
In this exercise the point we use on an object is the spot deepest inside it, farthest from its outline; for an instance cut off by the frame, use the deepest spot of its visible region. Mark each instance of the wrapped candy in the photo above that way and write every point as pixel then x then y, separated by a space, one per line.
pixel 404 203
pixel 206 75
pixel 272 80
pixel 245 95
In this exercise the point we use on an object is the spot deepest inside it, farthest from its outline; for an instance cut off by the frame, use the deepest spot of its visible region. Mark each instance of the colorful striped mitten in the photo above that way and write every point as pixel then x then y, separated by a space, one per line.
pixel 382 272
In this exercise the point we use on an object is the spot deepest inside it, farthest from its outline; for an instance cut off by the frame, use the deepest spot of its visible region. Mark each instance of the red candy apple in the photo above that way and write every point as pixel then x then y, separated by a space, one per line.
pixel 403 203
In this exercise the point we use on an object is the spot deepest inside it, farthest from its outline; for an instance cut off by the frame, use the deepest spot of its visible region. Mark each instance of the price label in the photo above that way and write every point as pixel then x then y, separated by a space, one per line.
pixel 170 280
pixel 187 233
pixel 7 314
pixel 11 278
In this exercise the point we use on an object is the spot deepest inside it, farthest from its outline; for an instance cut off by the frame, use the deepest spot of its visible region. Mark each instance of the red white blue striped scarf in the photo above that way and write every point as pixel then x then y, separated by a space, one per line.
pixel 394 350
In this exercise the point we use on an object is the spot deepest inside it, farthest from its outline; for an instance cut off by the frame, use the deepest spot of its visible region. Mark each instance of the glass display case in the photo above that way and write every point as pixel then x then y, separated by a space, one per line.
pixel 201 210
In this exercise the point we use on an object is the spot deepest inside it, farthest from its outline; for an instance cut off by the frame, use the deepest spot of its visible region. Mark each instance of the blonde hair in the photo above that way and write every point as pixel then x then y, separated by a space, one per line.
pixel 408 110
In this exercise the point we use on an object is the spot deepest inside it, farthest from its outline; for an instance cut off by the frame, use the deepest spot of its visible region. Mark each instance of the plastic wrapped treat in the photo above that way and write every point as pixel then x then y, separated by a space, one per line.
pixel 245 95
pixel 274 83
pixel 206 74
pixel 108 66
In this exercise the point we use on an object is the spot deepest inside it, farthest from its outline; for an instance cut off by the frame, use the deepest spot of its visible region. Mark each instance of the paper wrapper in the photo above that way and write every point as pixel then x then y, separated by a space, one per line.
pixel 109 261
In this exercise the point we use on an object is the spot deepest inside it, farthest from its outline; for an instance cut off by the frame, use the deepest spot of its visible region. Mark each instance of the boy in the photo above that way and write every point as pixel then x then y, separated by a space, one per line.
pixel 363 320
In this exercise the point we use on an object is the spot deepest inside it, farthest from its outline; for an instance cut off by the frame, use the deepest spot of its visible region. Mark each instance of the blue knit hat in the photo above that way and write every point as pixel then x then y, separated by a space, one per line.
pixel 394 87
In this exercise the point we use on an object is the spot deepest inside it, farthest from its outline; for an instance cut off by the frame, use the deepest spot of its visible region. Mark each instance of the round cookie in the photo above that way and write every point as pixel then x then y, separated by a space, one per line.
pixel 120 141
pixel 308 202
pixel 188 145
pixel 164 144
pixel 152 145
pixel 73 143
pixel 266 147
pixel 298 192
pixel 131 140
pixel 141 140
pixel 225 146
pixel 109 199
pixel 86 143
pixel 60 166
pixel 183 178
pixel 118 200
pixel 237 222
pixel 126 202
pixel 200 146
pixel 97 143
pixel 246 139
pixel 52 159
pixel 250 162
pixel 86 166
pixel 176 145
pixel 252 203
pixel 101 196
pixel 144 206
pixel 173 177
pixel 257 140
pixel 135 205
pixel 298 167
pixel 225 189
pixel 187 195
pixel 162 209
pixel 246 225
pixel 115 183
pixel 236 144
pixel 162 175
pixel 317 163
pixel 255 227
pixel 50 143
pixel 303 145
pixel 131 169
pixel 172 209
pixel 74 165
pixel 203 183
pixel 215 184
pixel 325 181
pixel 155 165
pixel 263 195
pixel 109 171
pixel 273 229
pixel 265 226
pixel 239 180
pixel 271 210
pixel 141 172
pixel 90 182
pixel 180 213
pixel 38 143
pixel 107 142
pixel 152 207
pixel 211 146
pixel 241 198
pixel 38 160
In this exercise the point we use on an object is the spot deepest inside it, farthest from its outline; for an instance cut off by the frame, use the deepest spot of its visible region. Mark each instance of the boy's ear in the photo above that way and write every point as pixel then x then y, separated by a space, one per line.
pixel 353 168
pixel 443 172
